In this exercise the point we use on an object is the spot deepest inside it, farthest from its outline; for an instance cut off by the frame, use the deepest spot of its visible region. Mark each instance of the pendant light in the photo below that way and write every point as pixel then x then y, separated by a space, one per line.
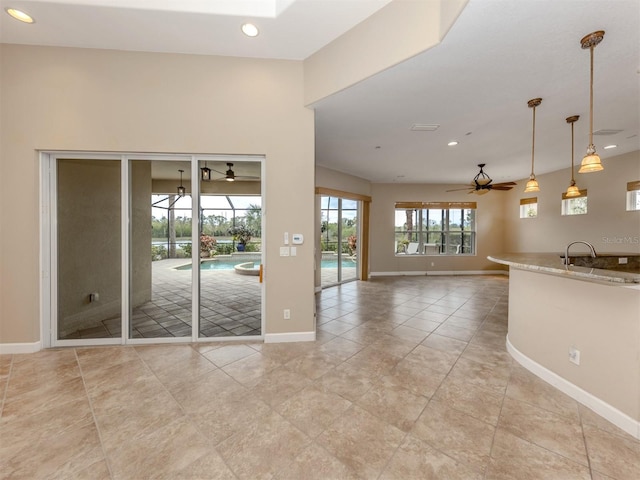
pixel 205 173
pixel 532 184
pixel 572 191
pixel 591 161
pixel 181 190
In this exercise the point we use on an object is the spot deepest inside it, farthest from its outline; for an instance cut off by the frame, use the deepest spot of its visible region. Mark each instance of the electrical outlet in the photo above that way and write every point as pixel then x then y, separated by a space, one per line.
pixel 574 355
pixel 287 314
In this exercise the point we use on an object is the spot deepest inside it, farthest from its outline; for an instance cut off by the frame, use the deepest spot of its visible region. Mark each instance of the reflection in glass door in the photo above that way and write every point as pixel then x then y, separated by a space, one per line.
pixel 160 249
pixel 339 240
pixel 88 216
pixel 230 249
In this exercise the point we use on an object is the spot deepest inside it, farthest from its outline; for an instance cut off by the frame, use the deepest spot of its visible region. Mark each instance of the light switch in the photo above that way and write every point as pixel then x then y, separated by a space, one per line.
pixel 284 251
pixel 294 251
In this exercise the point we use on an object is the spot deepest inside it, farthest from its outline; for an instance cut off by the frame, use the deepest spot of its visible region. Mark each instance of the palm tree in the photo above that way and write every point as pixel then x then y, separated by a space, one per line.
pixel 253 219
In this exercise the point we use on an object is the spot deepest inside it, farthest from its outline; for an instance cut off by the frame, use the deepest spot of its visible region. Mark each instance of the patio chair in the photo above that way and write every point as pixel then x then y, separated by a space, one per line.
pixel 412 248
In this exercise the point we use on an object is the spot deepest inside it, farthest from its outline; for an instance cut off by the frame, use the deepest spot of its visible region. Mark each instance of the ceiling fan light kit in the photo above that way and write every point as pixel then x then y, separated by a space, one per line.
pixel 591 161
pixel 230 175
pixel 532 184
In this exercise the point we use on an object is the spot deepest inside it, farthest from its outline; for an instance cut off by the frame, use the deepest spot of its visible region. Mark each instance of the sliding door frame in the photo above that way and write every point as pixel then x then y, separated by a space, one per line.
pixel 49 245
pixel 363 226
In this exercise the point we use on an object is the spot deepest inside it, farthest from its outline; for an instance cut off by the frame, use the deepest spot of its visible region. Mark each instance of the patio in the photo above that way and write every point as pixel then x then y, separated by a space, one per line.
pixel 230 306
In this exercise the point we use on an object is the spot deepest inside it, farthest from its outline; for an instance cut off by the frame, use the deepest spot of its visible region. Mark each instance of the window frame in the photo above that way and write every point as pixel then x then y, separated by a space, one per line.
pixel 566 205
pixel 526 204
pixel 633 196
pixel 423 235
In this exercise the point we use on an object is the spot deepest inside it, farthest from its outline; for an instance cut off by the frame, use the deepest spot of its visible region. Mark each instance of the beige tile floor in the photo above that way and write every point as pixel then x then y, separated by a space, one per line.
pixel 409 379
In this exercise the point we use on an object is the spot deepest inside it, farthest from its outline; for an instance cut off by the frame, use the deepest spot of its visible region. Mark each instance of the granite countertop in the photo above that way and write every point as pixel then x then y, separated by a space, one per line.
pixel 552 263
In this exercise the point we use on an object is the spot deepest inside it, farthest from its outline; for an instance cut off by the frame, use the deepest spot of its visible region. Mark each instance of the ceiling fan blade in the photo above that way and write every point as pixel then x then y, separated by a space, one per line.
pixel 460 189
pixel 501 187
pixel 502 184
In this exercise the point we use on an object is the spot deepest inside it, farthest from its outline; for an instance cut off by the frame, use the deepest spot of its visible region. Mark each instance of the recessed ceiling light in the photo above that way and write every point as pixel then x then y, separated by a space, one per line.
pixel 250 30
pixel 608 147
pixel 452 144
pixel 20 15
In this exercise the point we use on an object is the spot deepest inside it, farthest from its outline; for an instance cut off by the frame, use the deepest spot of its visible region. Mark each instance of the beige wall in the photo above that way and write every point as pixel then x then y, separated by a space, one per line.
pixel 489 232
pixel 396 32
pixel 574 313
pixel 101 100
pixel 606 225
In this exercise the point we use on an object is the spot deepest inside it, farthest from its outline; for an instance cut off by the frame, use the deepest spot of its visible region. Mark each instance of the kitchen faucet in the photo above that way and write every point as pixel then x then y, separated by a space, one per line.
pixel 566 252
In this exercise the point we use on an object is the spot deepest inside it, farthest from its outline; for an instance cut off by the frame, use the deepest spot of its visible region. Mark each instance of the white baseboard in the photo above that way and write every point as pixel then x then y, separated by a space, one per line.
pixel 612 414
pixel 11 348
pixel 290 337
pixel 439 272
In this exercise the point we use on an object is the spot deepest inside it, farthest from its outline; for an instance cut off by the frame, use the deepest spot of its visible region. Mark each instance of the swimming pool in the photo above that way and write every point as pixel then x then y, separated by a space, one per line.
pixel 229 264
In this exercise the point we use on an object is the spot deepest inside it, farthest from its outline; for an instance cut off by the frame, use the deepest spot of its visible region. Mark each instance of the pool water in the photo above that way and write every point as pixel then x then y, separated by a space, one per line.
pixel 229 264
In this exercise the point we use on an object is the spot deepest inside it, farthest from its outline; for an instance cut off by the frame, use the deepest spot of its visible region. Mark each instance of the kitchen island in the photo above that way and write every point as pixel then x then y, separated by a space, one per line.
pixel 578 328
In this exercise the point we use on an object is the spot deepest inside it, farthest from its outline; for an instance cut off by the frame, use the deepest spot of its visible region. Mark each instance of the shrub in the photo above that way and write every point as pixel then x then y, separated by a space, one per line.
pixel 186 248
pixel 224 249
pixel 207 243
pixel 158 252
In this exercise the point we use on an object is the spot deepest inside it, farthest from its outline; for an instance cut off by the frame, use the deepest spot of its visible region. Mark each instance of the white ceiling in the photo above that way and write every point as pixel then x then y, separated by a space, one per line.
pixel 475 84
pixel 187 26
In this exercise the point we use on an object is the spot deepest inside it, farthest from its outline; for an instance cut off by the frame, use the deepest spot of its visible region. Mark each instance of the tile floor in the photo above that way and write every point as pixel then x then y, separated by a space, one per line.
pixel 409 379
pixel 230 306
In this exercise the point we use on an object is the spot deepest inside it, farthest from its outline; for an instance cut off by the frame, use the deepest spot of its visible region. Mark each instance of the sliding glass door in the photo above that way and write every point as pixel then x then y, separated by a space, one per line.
pixel 123 235
pixel 339 240
pixel 160 298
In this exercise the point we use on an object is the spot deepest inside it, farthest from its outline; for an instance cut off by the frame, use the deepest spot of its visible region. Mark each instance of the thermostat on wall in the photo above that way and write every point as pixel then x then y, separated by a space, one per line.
pixel 297 239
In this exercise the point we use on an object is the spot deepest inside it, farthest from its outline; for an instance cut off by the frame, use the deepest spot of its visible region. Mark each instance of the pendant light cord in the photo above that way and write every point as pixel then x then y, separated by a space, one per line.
pixel 591 99
pixel 572 179
pixel 533 140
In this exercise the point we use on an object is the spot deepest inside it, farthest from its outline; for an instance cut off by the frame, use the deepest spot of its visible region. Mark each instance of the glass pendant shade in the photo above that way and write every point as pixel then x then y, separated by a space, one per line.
pixel 205 174
pixel 572 191
pixel 532 185
pixel 591 161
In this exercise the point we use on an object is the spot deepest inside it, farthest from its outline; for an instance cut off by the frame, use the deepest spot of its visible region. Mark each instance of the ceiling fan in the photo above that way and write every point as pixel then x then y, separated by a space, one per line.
pixel 230 175
pixel 482 183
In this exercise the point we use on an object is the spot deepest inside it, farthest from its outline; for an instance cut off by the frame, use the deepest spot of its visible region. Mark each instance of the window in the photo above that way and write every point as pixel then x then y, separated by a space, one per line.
pixel 435 228
pixel 575 205
pixel 529 207
pixel 633 196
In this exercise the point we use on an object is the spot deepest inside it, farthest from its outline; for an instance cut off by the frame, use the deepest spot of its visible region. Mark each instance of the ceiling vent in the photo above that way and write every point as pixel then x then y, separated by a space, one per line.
pixel 424 127
pixel 607 132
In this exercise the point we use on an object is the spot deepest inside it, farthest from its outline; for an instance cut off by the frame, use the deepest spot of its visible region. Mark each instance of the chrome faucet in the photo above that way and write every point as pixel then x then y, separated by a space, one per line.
pixel 566 252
